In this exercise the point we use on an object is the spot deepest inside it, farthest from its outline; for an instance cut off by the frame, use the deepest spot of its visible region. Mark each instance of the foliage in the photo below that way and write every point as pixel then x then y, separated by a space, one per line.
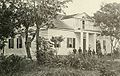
pixel 57 40
pixel 108 19
pixel 7 20
pixel 3 42
pixel 46 52
pixel 10 64
pixel 106 72
pixel 98 48
pixel 116 53
pixel 73 61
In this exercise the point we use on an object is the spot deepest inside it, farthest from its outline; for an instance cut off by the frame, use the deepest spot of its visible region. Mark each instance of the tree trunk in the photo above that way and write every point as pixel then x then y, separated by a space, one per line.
pixel 27 44
pixel 3 51
pixel 37 38
pixel 111 48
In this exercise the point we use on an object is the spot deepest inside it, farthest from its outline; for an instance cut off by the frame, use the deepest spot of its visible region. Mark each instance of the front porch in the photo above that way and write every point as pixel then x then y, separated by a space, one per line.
pixel 86 40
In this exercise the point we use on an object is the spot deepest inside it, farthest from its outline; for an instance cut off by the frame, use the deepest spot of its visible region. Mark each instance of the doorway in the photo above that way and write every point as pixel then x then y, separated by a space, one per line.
pixel 84 44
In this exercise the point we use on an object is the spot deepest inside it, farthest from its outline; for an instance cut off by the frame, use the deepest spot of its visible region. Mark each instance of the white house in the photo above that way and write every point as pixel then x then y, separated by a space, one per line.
pixel 78 30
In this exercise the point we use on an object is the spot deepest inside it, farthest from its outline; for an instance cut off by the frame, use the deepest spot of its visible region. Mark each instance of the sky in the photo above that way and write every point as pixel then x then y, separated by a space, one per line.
pixel 88 6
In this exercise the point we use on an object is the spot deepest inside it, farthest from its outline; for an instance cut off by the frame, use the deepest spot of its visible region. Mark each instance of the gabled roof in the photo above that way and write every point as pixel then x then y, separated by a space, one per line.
pixel 78 15
pixel 60 24
pixel 68 16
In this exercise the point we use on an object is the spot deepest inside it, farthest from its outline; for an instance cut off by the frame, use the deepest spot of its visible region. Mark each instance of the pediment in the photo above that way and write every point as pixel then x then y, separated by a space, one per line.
pixel 83 15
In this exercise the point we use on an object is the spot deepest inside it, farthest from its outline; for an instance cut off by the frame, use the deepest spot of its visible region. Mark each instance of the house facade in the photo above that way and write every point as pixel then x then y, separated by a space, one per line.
pixel 78 30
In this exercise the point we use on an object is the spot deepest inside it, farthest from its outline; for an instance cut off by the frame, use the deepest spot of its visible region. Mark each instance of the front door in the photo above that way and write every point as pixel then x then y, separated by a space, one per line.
pixel 84 44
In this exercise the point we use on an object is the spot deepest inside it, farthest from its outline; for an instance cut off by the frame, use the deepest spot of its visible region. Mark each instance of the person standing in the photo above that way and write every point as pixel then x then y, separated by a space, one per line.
pixel 80 50
pixel 74 51
pixel 89 52
pixel 93 52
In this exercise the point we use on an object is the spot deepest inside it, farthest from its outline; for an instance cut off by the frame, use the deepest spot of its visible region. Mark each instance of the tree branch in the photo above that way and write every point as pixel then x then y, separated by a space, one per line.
pixel 33 36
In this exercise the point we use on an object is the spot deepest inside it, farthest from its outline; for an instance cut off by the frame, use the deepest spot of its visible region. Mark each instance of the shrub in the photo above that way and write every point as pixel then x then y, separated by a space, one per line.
pixel 106 72
pixel 10 64
pixel 45 57
pixel 84 63
pixel 74 61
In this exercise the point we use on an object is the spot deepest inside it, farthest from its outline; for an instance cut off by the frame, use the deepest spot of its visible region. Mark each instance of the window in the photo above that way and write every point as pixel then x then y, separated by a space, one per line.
pixel 83 24
pixel 19 42
pixel 11 43
pixel 70 42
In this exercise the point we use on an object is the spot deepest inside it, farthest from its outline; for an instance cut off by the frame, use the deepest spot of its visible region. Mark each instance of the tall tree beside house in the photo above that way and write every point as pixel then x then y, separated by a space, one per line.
pixel 108 18
pixel 26 18
pixel 45 12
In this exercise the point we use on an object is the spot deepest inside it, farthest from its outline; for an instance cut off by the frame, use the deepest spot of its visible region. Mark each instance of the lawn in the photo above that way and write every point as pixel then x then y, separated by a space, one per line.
pixel 35 70
pixel 45 71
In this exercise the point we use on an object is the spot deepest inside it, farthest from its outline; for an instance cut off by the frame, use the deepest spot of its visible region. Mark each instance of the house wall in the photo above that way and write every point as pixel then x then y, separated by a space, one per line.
pixel 108 45
pixel 63 50
pixel 15 50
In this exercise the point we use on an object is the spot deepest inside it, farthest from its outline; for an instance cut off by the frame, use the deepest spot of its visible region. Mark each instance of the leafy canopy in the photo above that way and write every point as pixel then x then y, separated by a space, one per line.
pixel 108 18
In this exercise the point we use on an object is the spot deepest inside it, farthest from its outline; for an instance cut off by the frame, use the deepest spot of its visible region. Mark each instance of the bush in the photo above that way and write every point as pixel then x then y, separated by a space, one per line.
pixel 10 64
pixel 84 63
pixel 72 60
pixel 106 72
pixel 45 57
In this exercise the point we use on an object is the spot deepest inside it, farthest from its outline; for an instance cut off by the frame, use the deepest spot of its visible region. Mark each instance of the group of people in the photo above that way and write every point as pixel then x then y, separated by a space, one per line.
pixel 88 52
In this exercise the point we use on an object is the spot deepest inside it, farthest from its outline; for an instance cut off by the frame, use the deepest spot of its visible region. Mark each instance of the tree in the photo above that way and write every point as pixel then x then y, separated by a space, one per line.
pixel 56 41
pixel 45 12
pixel 108 18
pixel 26 19
pixel 98 48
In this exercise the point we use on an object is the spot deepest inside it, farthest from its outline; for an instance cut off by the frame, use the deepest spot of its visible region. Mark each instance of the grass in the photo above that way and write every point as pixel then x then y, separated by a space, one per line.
pixel 44 71
pixel 32 69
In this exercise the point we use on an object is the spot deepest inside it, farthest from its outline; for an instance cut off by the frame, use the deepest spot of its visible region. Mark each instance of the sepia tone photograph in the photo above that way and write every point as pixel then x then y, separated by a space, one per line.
pixel 59 37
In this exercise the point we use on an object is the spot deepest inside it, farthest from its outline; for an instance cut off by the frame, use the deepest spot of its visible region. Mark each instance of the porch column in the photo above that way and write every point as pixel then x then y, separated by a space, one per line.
pixel 81 37
pixel 87 41
pixel 95 41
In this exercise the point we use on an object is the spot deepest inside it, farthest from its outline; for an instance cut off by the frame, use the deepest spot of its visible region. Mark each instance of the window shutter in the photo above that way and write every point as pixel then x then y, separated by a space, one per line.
pixel 67 42
pixel 17 42
pixel 12 43
pixel 9 44
pixel 104 44
pixel 73 42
